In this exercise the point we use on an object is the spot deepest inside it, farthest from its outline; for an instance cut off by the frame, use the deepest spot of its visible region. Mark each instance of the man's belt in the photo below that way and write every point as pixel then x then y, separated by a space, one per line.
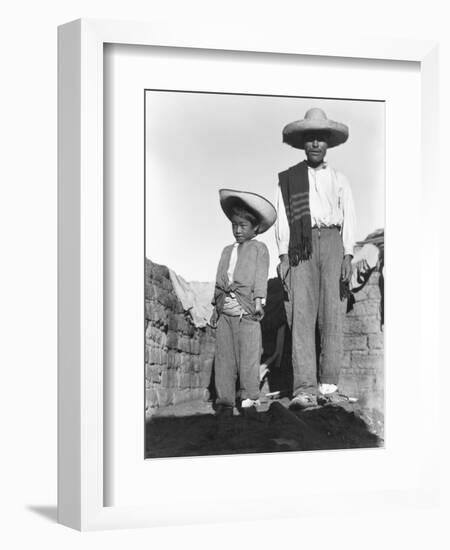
pixel 333 226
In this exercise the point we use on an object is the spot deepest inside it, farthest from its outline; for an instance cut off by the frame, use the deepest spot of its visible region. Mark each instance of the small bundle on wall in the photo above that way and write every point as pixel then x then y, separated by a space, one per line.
pixel 178 355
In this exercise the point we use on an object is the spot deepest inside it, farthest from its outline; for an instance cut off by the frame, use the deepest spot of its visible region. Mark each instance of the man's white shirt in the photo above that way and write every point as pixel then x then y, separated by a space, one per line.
pixel 330 203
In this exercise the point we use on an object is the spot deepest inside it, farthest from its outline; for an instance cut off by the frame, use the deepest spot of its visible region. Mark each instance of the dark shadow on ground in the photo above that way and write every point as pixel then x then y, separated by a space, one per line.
pixel 47 512
pixel 277 429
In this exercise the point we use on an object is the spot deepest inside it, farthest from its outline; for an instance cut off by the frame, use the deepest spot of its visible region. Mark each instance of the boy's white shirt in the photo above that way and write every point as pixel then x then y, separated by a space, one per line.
pixel 330 203
pixel 233 261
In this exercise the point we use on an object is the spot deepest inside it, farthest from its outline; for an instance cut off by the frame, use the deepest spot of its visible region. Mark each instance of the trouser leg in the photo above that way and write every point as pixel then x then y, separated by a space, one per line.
pixel 303 293
pixel 250 348
pixel 330 315
pixel 225 367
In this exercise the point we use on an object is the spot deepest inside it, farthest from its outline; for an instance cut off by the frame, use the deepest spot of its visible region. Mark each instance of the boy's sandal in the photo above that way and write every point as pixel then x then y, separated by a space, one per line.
pixel 224 410
pixel 249 403
pixel 303 401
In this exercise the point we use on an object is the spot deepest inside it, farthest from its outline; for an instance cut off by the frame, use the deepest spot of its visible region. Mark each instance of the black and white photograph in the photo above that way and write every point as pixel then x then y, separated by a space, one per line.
pixel 206 342
pixel 264 273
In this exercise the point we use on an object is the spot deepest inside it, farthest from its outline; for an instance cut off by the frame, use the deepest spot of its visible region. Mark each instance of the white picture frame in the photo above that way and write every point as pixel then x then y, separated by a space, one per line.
pixel 81 479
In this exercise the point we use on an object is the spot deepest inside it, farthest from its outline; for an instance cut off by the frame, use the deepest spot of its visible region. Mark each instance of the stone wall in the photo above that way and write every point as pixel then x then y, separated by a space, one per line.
pixel 178 355
pixel 362 373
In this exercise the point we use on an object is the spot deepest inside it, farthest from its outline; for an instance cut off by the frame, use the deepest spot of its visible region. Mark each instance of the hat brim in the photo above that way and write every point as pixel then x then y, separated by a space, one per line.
pixel 294 133
pixel 263 208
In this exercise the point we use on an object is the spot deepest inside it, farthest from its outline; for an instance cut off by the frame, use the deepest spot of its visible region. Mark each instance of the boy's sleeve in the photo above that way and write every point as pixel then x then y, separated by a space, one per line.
pixel 262 272
pixel 217 291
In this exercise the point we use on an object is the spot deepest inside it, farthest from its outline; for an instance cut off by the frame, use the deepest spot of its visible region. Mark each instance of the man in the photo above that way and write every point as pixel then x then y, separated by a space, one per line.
pixel 315 231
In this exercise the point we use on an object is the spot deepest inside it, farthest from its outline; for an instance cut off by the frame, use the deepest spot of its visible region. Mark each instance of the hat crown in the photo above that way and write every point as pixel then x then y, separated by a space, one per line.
pixel 315 121
pixel 258 204
pixel 315 114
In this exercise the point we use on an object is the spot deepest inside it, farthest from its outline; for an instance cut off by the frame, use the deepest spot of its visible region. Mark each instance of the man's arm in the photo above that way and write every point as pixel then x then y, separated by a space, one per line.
pixel 349 225
pixel 282 233
pixel 348 230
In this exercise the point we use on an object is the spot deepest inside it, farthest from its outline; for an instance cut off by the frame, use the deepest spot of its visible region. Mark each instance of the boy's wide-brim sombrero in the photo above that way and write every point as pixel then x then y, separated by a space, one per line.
pixel 315 121
pixel 264 209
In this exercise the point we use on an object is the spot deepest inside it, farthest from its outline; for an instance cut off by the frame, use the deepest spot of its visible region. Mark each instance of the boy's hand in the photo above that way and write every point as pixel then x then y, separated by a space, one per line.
pixel 259 310
pixel 214 318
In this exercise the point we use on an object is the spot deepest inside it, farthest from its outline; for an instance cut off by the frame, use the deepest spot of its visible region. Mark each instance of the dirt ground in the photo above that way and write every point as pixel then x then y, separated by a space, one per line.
pixel 193 429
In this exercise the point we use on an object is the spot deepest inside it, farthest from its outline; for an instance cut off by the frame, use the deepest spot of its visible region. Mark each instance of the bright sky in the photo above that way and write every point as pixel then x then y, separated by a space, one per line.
pixel 199 143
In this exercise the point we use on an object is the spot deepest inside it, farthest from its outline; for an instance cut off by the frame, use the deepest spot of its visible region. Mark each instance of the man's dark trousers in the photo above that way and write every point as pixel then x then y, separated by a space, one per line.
pixel 313 291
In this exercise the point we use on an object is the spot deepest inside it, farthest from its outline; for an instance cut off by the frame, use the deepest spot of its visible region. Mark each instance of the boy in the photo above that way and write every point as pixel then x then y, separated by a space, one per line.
pixel 240 292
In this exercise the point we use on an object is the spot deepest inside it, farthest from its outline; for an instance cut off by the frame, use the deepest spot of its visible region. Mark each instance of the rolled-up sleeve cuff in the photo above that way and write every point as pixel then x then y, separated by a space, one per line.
pixel 348 251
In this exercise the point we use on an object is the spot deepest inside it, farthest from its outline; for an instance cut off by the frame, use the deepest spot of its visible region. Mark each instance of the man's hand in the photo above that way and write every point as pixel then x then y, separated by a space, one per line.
pixel 214 318
pixel 283 267
pixel 259 310
pixel 346 268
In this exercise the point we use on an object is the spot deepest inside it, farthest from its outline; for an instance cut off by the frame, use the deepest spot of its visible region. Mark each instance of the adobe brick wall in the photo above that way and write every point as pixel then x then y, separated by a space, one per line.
pixel 362 372
pixel 178 356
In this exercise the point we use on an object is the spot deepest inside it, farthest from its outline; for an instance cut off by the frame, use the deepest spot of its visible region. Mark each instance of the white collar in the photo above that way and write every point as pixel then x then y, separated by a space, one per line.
pixel 323 166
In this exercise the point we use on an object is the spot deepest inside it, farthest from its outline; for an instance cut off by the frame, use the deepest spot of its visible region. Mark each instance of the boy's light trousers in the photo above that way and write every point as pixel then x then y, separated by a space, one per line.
pixel 238 353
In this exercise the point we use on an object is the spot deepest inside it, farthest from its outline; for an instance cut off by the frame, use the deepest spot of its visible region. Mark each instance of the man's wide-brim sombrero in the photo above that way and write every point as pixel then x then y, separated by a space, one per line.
pixel 315 121
pixel 261 207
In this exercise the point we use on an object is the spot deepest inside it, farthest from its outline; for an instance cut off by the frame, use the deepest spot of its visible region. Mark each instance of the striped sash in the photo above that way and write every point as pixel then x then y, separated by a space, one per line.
pixel 294 184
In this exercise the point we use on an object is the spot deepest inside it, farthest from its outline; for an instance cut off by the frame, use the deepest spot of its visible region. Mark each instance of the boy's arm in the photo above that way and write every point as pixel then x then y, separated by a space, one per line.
pixel 259 310
pixel 220 268
pixel 214 318
pixel 262 272
pixel 217 290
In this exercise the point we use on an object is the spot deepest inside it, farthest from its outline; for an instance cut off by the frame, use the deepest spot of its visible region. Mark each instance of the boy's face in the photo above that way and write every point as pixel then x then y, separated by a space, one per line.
pixel 243 230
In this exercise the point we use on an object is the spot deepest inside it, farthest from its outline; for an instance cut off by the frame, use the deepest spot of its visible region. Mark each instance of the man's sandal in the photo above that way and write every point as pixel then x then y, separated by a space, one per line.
pixel 334 398
pixel 303 401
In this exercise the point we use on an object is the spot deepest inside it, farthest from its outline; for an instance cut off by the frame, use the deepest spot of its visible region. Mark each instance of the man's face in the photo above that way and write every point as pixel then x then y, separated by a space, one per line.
pixel 315 148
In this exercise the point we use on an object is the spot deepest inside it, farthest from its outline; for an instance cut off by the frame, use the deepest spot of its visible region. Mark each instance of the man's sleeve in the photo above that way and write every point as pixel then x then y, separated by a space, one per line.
pixel 349 226
pixel 262 272
pixel 282 233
